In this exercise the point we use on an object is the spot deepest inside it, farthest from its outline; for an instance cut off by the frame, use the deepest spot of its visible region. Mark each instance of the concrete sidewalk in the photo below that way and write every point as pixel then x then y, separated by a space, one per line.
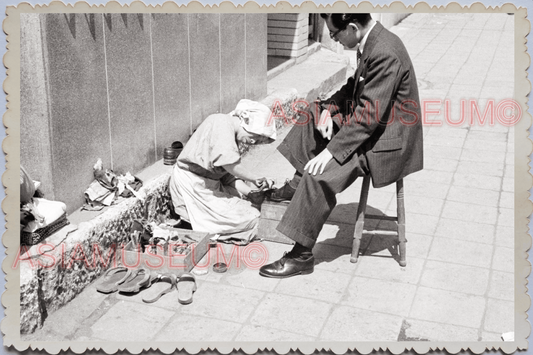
pixel 459 281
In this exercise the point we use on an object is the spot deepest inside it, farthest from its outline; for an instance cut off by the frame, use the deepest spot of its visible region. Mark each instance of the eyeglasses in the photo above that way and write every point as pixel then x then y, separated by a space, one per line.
pixel 334 34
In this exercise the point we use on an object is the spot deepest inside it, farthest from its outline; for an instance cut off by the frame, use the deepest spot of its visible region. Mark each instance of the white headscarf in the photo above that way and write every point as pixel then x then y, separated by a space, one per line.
pixel 255 118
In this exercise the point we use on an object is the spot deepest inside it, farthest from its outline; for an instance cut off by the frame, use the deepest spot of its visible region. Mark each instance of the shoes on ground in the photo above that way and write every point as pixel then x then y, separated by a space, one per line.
pixel 284 193
pixel 137 280
pixel 186 286
pixel 112 279
pixel 289 265
pixel 162 285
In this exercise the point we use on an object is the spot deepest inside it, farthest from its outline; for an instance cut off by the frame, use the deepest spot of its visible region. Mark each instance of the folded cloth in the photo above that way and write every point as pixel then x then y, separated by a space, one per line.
pixel 50 210
pixel 97 192
pixel 107 186
pixel 131 187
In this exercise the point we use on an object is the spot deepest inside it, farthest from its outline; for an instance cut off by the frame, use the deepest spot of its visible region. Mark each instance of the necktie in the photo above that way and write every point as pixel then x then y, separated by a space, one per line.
pixel 357 73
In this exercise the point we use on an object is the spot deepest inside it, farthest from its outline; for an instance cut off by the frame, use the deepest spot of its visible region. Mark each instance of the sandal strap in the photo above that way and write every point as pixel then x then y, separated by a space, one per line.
pixel 114 270
pixel 187 277
pixel 163 278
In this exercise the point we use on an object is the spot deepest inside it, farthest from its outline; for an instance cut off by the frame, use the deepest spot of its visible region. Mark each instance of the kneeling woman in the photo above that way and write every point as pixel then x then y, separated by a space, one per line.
pixel 209 184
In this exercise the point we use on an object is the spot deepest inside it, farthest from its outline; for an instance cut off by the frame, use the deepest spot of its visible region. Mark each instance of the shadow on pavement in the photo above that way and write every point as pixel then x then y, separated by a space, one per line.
pixel 343 220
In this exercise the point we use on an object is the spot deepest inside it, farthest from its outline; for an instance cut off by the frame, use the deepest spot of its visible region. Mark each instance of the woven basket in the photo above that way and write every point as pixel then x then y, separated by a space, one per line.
pixel 32 238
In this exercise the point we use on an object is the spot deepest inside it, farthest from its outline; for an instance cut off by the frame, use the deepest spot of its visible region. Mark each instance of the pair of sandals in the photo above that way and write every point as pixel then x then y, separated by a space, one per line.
pixel 184 284
pixel 126 280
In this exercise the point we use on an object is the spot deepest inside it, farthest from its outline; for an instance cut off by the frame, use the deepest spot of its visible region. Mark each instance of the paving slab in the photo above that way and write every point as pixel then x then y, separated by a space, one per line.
pixel 421 204
pixel 183 328
pixel 334 258
pixel 461 252
pixel 500 316
pixel 423 188
pixel 389 270
pixel 352 324
pixel 509 170
pixel 419 330
pixel 231 303
pixel 442 141
pixel 503 259
pixel 446 130
pixel 421 224
pixel 65 322
pixel 465 231
pixel 418 245
pixel 448 307
pixel 440 164
pixel 473 196
pixel 506 217
pixel 504 236
pixel 488 336
pixel 438 177
pixel 249 279
pixel 262 334
pixel 440 152
pixel 502 286
pixel 454 277
pixel 478 180
pixel 129 321
pixel 478 155
pixel 482 145
pixel 470 212
pixel 294 314
pixel 484 169
pixel 508 185
pixel 324 286
pixel 380 296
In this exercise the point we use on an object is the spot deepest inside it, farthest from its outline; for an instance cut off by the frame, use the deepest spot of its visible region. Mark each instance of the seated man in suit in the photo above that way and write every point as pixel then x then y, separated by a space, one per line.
pixel 372 125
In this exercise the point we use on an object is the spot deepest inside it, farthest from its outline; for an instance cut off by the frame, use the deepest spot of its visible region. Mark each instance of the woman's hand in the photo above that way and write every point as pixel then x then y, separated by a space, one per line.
pixel 242 173
pixel 264 183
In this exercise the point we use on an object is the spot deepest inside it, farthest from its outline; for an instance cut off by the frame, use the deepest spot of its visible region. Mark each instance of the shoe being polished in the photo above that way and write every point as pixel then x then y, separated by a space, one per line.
pixel 289 265
pixel 284 193
pixel 256 198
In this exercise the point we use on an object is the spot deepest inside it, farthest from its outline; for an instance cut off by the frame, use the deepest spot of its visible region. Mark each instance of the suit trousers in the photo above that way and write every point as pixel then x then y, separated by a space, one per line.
pixel 315 196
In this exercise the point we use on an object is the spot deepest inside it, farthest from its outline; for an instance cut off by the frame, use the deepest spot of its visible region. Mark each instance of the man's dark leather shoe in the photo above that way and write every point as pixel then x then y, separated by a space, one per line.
pixel 289 266
pixel 284 193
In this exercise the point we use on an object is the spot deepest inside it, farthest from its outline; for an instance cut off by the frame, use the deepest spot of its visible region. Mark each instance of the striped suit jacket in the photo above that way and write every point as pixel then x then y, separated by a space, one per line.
pixel 378 111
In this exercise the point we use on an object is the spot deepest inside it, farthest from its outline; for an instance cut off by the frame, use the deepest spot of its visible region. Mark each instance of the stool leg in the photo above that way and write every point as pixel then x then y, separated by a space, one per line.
pixel 401 221
pixel 360 221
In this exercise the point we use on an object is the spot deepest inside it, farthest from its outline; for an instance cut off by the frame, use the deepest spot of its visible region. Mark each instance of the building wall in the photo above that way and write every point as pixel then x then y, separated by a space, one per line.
pixel 288 35
pixel 122 87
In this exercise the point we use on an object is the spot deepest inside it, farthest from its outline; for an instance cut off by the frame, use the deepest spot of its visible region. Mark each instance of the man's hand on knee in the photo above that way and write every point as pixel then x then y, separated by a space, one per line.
pixel 318 163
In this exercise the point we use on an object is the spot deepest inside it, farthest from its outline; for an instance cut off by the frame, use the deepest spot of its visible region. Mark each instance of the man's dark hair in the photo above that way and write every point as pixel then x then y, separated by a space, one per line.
pixel 341 21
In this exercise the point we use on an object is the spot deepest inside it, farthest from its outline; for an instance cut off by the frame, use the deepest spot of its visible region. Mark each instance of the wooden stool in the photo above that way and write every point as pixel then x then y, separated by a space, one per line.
pixel 359 224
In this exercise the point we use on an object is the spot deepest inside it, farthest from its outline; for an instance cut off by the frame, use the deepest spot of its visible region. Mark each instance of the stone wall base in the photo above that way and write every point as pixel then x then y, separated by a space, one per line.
pixel 54 272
